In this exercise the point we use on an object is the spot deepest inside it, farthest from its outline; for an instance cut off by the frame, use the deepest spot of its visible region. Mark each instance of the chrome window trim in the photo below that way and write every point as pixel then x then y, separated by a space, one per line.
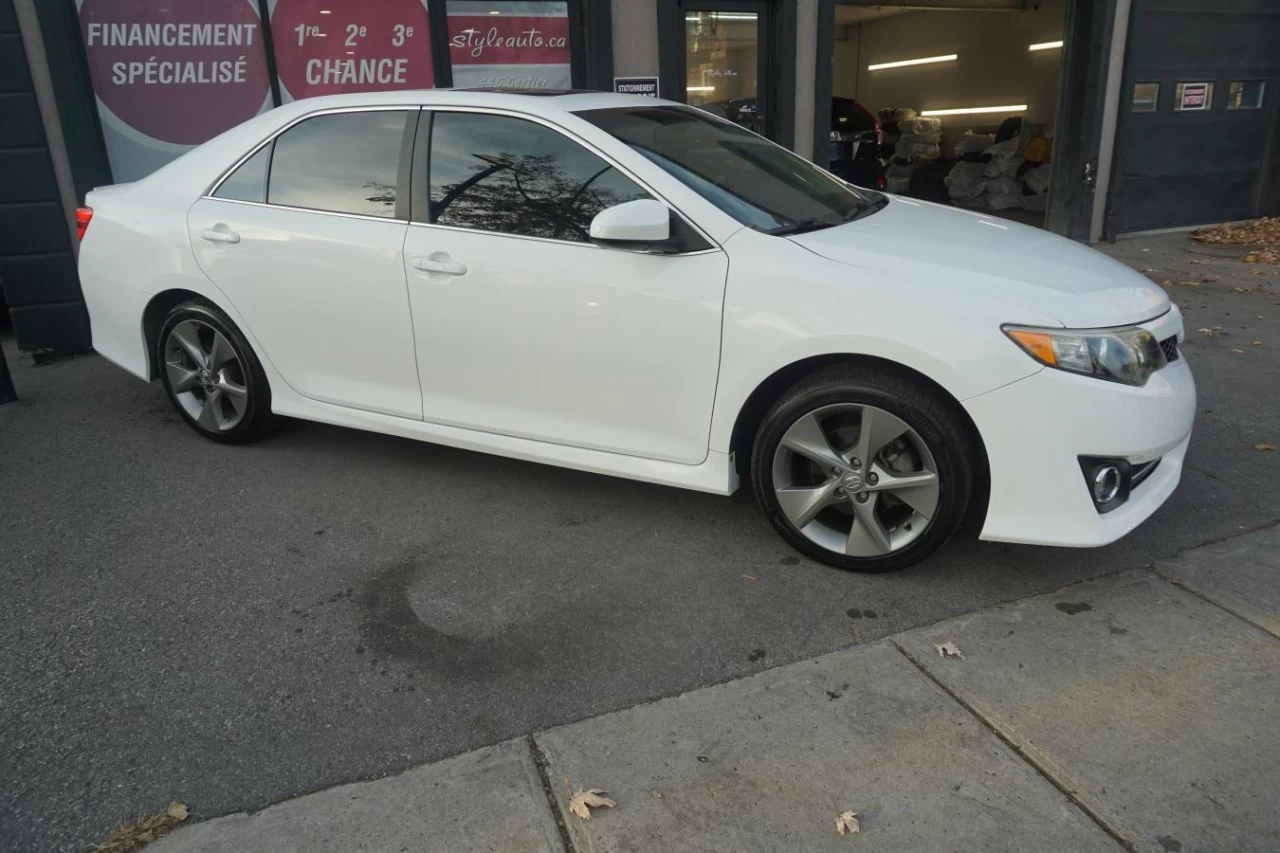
pixel 578 243
pixel 307 210
pixel 209 193
pixel 572 137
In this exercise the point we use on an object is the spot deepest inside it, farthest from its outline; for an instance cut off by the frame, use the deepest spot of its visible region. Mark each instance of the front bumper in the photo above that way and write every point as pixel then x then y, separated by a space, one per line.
pixel 1036 429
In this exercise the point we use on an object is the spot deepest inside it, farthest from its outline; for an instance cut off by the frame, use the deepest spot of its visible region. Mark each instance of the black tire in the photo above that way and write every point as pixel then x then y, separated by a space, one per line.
pixel 925 410
pixel 256 419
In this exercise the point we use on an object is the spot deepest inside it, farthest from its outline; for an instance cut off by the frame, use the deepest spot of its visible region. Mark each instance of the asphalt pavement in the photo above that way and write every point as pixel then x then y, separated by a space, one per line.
pixel 234 626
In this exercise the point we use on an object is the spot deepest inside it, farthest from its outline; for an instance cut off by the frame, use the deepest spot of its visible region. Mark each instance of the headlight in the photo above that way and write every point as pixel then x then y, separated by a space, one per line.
pixel 1128 354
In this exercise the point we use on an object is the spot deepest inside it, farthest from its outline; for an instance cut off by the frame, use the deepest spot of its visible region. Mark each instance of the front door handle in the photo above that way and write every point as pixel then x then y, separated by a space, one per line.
pixel 447 267
pixel 220 234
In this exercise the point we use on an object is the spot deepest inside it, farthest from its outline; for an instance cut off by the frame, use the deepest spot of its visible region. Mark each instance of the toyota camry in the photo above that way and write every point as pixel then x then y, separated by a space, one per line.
pixel 634 287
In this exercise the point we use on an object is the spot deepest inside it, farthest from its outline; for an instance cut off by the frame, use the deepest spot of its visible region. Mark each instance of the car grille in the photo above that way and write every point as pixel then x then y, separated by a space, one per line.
pixel 1170 347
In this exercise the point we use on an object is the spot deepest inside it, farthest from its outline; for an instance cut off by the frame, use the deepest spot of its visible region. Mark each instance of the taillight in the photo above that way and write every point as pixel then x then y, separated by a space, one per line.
pixel 83 215
pixel 882 183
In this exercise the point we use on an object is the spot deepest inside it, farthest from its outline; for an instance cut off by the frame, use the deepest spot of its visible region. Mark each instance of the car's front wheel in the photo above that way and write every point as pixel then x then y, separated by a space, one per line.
pixel 865 469
pixel 211 374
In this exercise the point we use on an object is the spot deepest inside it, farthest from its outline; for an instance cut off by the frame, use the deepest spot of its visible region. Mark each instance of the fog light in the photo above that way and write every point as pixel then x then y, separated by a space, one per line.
pixel 1109 480
pixel 1106 483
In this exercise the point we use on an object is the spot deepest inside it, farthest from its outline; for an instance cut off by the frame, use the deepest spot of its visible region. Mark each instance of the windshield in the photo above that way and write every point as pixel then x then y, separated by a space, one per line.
pixel 760 184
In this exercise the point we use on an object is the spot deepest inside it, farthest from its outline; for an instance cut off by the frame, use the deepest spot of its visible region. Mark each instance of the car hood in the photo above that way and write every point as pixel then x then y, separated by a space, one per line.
pixel 998 259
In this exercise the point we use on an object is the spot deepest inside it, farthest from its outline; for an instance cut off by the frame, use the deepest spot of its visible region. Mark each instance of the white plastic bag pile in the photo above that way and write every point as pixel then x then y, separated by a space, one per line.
pixel 1004 190
pixel 966 182
pixel 919 138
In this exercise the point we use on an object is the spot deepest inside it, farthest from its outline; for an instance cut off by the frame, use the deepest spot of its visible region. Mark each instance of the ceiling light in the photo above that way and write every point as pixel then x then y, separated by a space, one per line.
pixel 950 57
pixel 699 88
pixel 1045 45
pixel 1013 108
pixel 725 16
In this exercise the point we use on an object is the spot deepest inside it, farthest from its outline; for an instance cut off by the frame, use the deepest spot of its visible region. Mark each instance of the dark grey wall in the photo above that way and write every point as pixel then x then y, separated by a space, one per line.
pixel 1187 168
pixel 37 268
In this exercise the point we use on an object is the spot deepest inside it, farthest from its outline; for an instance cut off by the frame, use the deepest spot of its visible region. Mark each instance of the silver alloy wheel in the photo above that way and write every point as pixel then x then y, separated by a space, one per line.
pixel 855 480
pixel 206 375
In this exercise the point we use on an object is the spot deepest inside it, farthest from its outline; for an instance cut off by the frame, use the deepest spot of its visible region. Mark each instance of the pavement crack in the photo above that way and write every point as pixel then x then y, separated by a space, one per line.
pixel 543 764
pixel 1067 791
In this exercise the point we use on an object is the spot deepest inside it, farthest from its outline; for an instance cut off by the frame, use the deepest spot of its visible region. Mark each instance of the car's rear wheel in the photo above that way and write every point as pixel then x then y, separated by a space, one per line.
pixel 868 470
pixel 211 374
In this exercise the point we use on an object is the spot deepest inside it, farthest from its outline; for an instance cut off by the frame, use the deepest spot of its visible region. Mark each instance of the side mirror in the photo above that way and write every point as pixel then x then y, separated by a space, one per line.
pixel 632 225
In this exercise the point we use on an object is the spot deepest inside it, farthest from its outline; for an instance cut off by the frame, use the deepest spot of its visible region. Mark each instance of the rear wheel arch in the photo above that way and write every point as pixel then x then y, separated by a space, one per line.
pixel 761 400
pixel 157 310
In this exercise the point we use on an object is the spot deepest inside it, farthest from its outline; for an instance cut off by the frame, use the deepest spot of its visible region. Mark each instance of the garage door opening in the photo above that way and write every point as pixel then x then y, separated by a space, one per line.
pixel 952 102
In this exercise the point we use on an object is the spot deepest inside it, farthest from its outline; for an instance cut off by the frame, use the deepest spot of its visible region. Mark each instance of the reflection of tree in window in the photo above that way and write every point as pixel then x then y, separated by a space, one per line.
pixel 552 189
pixel 384 194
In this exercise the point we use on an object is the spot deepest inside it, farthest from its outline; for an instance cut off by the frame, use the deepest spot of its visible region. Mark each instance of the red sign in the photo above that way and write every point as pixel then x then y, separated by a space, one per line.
pixel 1195 96
pixel 179 72
pixel 324 47
pixel 508 40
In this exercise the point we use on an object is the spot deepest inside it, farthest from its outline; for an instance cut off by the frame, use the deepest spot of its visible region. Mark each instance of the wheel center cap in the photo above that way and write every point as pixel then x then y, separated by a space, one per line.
pixel 852 481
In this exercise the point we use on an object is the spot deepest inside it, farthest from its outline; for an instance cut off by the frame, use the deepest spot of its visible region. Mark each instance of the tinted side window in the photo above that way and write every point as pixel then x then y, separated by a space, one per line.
pixel 494 173
pixel 346 162
pixel 249 181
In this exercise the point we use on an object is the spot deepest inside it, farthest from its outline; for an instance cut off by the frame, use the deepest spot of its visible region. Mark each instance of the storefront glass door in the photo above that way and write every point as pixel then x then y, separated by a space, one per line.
pixel 725 61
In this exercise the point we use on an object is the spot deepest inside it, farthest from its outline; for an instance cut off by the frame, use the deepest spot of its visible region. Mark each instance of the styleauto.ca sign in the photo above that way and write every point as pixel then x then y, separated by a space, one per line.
pixel 169 75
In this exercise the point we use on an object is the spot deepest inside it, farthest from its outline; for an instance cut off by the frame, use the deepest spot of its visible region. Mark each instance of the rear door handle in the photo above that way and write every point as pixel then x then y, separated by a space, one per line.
pixel 447 267
pixel 220 235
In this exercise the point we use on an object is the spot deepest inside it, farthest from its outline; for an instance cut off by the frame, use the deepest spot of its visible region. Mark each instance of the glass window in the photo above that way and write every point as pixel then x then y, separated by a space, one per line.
pixel 494 173
pixel 1146 97
pixel 249 181
pixel 506 44
pixel 1245 94
pixel 762 185
pixel 1193 97
pixel 346 162
pixel 721 58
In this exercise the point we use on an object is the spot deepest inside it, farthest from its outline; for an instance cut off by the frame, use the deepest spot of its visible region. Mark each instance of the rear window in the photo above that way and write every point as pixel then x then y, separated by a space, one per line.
pixel 344 163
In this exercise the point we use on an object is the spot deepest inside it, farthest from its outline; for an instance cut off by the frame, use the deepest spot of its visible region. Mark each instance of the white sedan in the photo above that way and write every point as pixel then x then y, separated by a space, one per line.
pixel 633 287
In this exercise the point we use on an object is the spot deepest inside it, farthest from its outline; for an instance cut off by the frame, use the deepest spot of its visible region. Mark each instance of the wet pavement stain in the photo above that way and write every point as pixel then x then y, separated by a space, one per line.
pixel 391 629
pixel 1072 608
pixel 756 654
pixel 1168 842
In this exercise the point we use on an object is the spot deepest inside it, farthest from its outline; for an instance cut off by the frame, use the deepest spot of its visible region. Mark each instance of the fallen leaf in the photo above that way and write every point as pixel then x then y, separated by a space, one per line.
pixel 1198 261
pixel 948 650
pixel 1208 278
pixel 1209 333
pixel 1244 290
pixel 138 833
pixel 1255 343
pixel 853 633
pixel 1238 351
pixel 1177 581
pixel 848 824
pixel 1167 283
pixel 583 802
pixel 751 578
pixel 1264 447
pixel 1188 284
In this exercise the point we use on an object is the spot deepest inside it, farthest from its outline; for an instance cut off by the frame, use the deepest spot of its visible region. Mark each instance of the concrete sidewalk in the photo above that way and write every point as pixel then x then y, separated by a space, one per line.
pixel 1132 712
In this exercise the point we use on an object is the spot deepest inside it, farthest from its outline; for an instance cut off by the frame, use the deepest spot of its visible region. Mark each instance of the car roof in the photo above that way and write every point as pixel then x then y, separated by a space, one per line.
pixel 537 101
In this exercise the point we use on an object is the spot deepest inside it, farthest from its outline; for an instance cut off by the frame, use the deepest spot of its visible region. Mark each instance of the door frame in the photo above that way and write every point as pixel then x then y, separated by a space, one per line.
pixel 776 68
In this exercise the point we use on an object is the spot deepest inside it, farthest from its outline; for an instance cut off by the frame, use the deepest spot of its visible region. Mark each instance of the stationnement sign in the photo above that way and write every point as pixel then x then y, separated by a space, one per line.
pixel 646 86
